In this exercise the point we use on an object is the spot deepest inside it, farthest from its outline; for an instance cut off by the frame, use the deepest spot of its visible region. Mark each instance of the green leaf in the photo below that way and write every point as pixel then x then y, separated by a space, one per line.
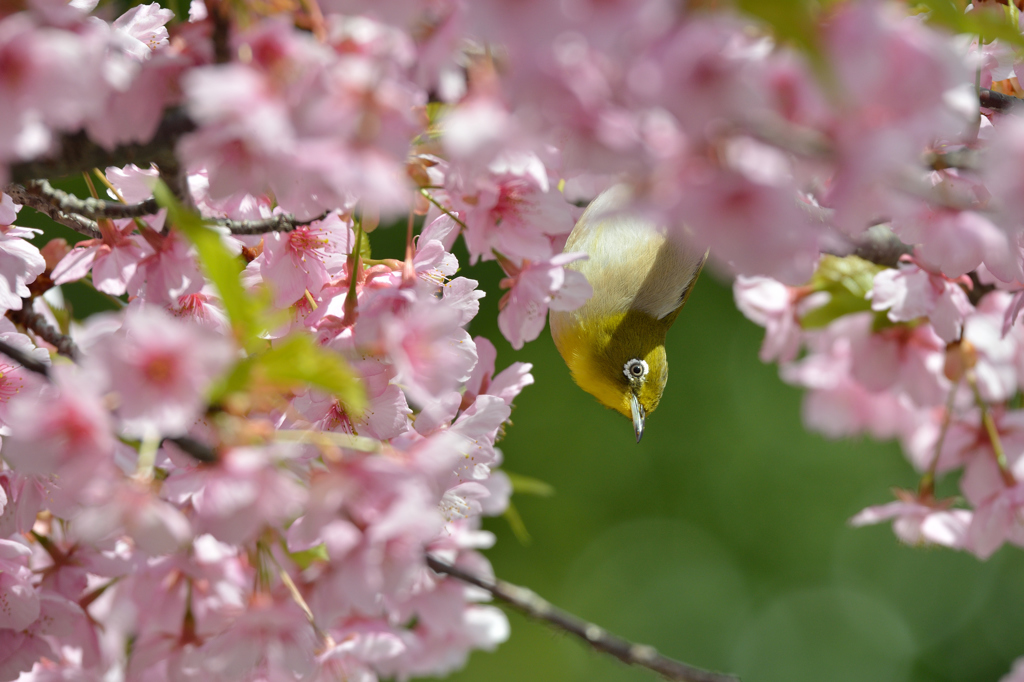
pixel 791 20
pixel 292 363
pixel 308 557
pixel 218 264
pixel 987 23
pixel 515 521
pixel 364 247
pixel 524 485
pixel 847 281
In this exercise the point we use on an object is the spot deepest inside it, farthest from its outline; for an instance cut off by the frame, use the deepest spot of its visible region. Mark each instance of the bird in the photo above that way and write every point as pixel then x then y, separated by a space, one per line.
pixel 614 345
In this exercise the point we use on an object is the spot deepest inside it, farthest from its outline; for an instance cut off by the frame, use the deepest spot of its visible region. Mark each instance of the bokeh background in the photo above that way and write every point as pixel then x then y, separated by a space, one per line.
pixel 723 538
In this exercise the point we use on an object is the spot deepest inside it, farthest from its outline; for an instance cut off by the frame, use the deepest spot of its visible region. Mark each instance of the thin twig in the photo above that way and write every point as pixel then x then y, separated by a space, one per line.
pixel 80 214
pixel 992 431
pixel 277 223
pixel 429 197
pixel 40 326
pixel 195 449
pixel 926 487
pixel 878 245
pixel 527 602
pixel 24 359
pixel 93 209
pixel 26 197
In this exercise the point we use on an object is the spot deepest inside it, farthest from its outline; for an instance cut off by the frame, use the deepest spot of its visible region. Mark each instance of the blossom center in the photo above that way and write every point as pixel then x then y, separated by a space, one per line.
pixel 304 240
pixel 160 368
pixel 10 384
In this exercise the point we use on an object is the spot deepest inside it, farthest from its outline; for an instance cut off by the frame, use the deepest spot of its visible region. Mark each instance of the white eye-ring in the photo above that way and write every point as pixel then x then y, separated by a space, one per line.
pixel 635 369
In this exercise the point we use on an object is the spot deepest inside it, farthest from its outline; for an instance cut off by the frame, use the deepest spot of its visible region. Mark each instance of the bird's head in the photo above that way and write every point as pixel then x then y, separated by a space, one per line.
pixel 620 360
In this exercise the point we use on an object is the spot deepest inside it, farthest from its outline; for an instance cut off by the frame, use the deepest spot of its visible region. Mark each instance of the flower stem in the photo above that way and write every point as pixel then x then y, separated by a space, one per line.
pixel 926 488
pixel 353 275
pixel 444 210
pixel 992 431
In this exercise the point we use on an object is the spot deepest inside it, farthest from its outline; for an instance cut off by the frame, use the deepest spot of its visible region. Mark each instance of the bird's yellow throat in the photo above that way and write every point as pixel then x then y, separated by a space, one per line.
pixel 593 344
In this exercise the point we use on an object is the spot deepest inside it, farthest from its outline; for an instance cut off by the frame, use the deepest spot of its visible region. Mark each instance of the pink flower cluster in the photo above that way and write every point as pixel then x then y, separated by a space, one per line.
pixel 298 555
pixel 299 550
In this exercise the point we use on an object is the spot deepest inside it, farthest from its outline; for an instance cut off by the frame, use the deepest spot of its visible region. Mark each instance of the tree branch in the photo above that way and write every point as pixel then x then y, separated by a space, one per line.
pixel 36 193
pixel 277 223
pixel 40 326
pixel 196 449
pixel 997 101
pixel 24 359
pixel 80 214
pixel 880 246
pixel 25 197
pixel 75 153
pixel 527 602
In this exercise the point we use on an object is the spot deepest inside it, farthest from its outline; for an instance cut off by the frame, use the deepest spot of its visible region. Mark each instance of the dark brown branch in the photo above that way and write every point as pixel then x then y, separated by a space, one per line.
pixel 880 246
pixel 196 449
pixel 277 223
pixel 76 153
pixel 36 192
pixel 80 214
pixel 23 196
pixel 221 36
pixel 24 359
pixel 37 324
pixel 997 101
pixel 527 602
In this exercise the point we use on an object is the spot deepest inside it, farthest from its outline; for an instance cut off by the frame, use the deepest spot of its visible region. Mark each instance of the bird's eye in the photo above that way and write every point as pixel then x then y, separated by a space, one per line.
pixel 635 369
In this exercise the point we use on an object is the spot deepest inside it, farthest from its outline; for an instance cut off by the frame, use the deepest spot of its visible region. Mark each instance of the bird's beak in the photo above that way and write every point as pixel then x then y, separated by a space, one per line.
pixel 638 416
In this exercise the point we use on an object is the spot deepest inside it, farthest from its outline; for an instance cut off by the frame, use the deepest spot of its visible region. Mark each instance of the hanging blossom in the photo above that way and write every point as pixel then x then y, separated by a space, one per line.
pixel 194 495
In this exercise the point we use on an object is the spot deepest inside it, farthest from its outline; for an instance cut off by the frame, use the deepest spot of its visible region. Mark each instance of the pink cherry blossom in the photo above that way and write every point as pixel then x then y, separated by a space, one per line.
pixel 299 261
pixel 20 262
pixel 996 354
pixel 957 242
pixel 534 287
pixel 234 500
pixel 901 360
pixel 141 30
pixel 492 121
pixel 770 304
pixel 431 351
pixel 54 78
pixel 506 385
pixel 168 274
pixel 917 523
pixel 270 639
pixel 837 404
pixel 159 367
pixel 14 379
pixel 112 260
pixel 512 209
pixel 385 416
pixel 21 600
pixel 22 498
pixel 910 292
pixel 734 214
pixel 64 427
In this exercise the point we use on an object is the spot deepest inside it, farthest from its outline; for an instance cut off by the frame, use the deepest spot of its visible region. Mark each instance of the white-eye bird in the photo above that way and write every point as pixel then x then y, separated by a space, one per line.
pixel 615 344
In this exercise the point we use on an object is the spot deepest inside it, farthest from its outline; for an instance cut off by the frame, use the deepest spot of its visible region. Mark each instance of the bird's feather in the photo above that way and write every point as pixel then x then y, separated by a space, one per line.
pixel 630 261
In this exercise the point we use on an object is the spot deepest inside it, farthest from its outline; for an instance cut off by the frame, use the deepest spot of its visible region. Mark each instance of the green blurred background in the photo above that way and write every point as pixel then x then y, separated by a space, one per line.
pixel 722 538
